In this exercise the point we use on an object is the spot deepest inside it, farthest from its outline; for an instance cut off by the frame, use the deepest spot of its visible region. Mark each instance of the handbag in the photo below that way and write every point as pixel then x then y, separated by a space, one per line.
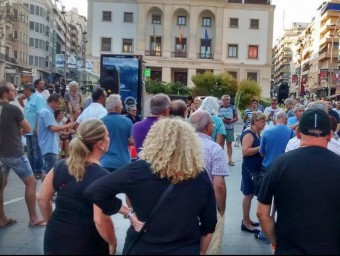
pixel 256 178
pixel 151 214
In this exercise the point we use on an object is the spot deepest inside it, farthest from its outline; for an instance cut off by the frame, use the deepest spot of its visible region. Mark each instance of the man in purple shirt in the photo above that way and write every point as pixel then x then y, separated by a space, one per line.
pixel 215 164
pixel 159 106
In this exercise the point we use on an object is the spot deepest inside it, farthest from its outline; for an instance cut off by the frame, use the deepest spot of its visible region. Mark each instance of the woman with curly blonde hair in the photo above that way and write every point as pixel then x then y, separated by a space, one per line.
pixel 185 221
pixel 71 227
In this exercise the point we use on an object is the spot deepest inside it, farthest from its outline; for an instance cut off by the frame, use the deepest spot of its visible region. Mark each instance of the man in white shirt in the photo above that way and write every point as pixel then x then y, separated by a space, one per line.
pixel 96 109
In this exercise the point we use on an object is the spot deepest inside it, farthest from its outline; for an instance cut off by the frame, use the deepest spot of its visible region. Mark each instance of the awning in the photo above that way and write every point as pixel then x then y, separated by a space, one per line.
pixel 334 96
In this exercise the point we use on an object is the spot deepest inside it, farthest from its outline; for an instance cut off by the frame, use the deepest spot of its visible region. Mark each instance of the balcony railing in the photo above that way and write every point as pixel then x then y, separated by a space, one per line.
pixel 256 1
pixel 179 54
pixel 235 1
pixel 153 53
pixel 8 58
pixel 204 55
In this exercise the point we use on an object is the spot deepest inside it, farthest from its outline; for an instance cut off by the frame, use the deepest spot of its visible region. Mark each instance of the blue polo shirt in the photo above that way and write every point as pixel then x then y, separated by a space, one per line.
pixel 120 130
pixel 32 108
pixel 48 140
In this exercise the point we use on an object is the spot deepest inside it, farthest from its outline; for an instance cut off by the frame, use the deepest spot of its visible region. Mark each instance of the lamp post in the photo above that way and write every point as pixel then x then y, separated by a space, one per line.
pixel 65 38
pixel 301 44
pixel 331 70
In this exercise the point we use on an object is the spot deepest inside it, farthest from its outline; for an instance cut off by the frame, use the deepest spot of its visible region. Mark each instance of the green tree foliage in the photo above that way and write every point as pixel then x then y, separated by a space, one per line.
pixel 246 91
pixel 208 84
pixel 154 87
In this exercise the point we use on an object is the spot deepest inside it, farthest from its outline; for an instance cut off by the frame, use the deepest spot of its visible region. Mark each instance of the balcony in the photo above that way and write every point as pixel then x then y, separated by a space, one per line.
pixel 235 1
pixel 256 2
pixel 179 54
pixel 153 53
pixel 9 59
pixel 10 38
pixel 204 55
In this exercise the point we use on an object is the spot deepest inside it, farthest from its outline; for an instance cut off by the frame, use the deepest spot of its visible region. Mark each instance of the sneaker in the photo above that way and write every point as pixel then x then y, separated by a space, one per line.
pixel 260 236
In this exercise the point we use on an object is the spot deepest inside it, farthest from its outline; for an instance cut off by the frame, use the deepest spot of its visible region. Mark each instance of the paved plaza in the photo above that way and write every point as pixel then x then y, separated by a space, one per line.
pixel 19 239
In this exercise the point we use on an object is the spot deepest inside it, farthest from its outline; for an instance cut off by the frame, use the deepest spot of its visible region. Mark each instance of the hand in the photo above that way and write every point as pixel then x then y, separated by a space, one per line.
pixel 71 124
pixel 136 223
pixel 112 249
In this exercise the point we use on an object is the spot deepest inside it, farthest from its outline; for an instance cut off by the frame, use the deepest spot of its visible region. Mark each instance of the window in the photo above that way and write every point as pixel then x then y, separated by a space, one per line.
pixel 252 76
pixel 47 46
pixel 32 8
pixel 15 54
pixel 233 22
pixel 31 42
pixel 106 44
pixel 253 52
pixel 37 10
pixel 156 19
pixel 36 27
pixel 155 46
pixel 181 20
pixel 31 25
pixel 181 46
pixel 36 61
pixel 206 22
pixel 127 45
pixel 128 17
pixel 16 35
pixel 233 74
pixel 30 60
pixel 36 43
pixel 205 48
pixel 106 16
pixel 232 50
pixel 181 77
pixel 254 23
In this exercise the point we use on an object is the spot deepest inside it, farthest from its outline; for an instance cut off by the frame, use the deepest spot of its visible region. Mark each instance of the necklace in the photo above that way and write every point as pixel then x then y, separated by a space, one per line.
pixel 254 131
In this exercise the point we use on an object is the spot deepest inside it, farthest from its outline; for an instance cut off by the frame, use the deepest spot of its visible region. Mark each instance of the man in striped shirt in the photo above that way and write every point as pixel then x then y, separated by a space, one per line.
pixel 215 164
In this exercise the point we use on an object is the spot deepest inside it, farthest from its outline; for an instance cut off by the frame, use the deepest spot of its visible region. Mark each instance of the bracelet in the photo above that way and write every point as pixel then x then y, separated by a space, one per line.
pixel 129 214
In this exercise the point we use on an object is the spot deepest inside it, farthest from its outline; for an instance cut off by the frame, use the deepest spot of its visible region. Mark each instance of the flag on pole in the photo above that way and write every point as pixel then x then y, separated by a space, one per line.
pixel 154 34
pixel 180 36
pixel 206 39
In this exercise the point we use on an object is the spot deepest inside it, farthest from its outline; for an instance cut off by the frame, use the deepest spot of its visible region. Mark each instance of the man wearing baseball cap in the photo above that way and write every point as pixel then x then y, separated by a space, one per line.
pixel 305 186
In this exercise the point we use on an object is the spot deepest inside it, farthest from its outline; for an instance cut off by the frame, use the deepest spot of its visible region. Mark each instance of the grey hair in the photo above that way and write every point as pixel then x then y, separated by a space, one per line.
pixel 159 103
pixel 73 84
pixel 289 101
pixel 280 115
pixel 129 107
pixel 210 104
pixel 225 96
pixel 318 105
pixel 298 106
pixel 112 101
pixel 200 119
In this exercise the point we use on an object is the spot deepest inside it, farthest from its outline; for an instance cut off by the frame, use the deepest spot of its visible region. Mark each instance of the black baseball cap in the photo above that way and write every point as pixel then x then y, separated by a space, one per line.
pixel 315 122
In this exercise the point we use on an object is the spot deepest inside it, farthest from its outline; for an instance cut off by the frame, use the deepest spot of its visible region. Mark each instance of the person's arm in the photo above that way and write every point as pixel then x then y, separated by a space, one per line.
pixel 105 228
pixel 220 193
pixel 245 117
pixel 45 195
pixel 247 142
pixel 267 222
pixel 21 100
pixel 131 141
pixel 220 140
pixel 60 128
pixel 24 127
pixel 204 244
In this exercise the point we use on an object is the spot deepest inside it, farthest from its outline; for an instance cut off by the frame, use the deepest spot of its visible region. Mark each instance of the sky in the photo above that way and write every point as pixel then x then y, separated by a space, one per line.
pixel 286 12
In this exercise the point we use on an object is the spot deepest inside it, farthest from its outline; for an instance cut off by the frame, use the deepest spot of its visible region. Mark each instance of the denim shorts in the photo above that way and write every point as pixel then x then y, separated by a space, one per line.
pixel 50 160
pixel 20 165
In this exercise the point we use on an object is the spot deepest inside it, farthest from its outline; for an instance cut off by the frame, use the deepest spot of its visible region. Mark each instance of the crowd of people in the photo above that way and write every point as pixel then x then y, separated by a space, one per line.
pixel 175 191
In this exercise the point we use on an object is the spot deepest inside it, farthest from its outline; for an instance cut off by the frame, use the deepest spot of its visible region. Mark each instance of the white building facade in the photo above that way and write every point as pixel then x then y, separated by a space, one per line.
pixel 179 39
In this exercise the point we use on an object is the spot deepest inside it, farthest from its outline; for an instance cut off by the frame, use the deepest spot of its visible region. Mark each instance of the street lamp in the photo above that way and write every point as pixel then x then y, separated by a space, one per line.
pixel 331 70
pixel 301 48
pixel 65 38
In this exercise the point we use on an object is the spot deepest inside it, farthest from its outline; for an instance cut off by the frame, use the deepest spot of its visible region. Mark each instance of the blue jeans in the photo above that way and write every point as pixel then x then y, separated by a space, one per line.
pixel 34 154
pixel 50 160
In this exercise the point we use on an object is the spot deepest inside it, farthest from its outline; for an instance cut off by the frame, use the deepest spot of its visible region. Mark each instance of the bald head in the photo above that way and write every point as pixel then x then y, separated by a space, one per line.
pixel 178 108
pixel 200 119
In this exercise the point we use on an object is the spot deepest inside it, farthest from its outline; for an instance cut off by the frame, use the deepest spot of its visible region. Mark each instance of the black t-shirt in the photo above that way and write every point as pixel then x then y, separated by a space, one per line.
pixel 174 228
pixel 305 184
pixel 10 138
